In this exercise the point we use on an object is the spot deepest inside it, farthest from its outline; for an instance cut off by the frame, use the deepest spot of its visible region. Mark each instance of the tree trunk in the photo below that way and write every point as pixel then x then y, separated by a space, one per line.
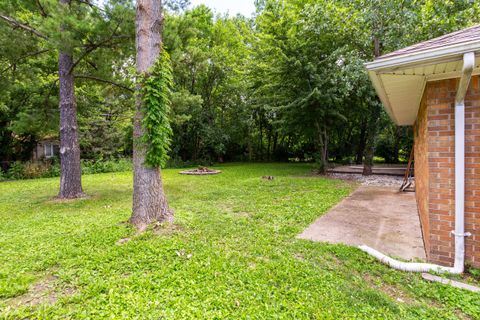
pixel 372 131
pixel 249 147
pixel 269 144
pixel 260 141
pixel 396 144
pixel 149 201
pixel 71 173
pixel 275 144
pixel 370 148
pixel 368 162
pixel 361 143
pixel 323 148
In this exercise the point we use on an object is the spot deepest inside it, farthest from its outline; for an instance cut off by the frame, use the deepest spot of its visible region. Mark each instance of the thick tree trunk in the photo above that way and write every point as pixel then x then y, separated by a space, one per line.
pixel 149 201
pixel 71 173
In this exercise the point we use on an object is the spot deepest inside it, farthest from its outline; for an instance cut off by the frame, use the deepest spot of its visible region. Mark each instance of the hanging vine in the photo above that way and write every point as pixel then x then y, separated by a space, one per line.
pixel 156 92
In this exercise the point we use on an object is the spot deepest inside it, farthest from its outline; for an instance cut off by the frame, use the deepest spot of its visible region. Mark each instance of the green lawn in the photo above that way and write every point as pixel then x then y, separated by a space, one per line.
pixel 232 254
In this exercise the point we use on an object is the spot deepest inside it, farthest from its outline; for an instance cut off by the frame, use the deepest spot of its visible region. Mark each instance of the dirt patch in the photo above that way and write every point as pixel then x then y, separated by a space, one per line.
pixel 123 241
pixel 299 257
pixel 392 291
pixel 57 200
pixel 167 230
pixel 45 291
pixel 242 214
pixel 461 315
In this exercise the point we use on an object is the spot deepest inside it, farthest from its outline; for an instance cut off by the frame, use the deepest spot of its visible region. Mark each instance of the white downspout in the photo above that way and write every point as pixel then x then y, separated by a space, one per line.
pixel 459 232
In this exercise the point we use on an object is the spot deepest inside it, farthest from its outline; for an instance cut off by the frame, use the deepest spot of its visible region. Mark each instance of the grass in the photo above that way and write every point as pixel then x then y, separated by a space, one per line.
pixel 232 254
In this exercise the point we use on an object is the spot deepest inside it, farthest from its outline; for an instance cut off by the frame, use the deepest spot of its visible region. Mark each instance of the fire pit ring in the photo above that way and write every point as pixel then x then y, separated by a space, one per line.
pixel 201 171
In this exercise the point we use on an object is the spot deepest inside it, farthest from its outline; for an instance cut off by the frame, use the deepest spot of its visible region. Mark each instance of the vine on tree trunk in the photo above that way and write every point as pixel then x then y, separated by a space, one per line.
pixel 156 92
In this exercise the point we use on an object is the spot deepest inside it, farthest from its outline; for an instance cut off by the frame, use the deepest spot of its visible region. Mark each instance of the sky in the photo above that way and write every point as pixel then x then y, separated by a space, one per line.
pixel 245 7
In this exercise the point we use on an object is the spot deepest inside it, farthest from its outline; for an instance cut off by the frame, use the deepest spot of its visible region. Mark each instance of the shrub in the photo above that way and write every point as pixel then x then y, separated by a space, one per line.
pixel 105 166
pixel 179 163
pixel 53 171
pixel 16 171
pixel 33 170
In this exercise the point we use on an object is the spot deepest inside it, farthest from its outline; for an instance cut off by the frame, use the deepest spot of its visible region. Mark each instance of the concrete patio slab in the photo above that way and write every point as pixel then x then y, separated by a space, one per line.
pixel 388 170
pixel 380 217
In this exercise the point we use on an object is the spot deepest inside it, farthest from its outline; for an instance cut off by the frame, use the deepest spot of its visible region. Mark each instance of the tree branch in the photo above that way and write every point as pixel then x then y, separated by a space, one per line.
pixel 92 64
pixel 22 26
pixel 42 9
pixel 91 5
pixel 33 54
pixel 80 76
pixel 92 48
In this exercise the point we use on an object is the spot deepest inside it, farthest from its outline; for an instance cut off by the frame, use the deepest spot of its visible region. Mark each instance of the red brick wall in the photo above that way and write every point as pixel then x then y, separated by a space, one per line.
pixel 440 136
pixel 421 171
pixel 472 171
pixel 441 160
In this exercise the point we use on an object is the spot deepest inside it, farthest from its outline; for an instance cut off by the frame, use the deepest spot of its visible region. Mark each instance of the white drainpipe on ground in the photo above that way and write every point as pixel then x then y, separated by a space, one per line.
pixel 459 232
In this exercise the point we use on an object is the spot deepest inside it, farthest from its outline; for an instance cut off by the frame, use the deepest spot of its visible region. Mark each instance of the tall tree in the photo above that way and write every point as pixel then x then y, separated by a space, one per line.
pixel 70 181
pixel 71 172
pixel 149 201
pixel 74 29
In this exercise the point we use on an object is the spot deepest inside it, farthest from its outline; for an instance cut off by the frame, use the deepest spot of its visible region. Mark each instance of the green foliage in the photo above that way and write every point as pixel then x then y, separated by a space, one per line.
pixel 286 83
pixel 30 170
pixel 155 93
pixel 101 40
pixel 475 273
pixel 232 254
pixel 16 171
pixel 210 56
pixel 105 166
pixel 34 170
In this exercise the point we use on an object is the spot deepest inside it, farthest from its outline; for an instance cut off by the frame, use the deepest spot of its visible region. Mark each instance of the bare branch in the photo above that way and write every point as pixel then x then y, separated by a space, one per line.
pixel 22 26
pixel 104 81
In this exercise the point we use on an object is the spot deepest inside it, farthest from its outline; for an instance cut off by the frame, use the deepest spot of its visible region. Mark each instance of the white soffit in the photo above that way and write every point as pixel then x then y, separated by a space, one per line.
pixel 401 86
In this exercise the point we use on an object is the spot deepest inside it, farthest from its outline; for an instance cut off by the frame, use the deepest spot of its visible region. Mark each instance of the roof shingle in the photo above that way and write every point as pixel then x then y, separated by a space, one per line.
pixel 458 37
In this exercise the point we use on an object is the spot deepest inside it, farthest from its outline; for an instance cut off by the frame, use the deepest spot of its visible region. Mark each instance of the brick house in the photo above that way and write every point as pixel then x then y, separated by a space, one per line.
pixel 434 86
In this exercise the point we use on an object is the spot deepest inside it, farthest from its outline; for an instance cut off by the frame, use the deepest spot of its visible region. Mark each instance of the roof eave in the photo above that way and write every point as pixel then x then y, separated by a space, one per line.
pixel 441 53
pixel 379 88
